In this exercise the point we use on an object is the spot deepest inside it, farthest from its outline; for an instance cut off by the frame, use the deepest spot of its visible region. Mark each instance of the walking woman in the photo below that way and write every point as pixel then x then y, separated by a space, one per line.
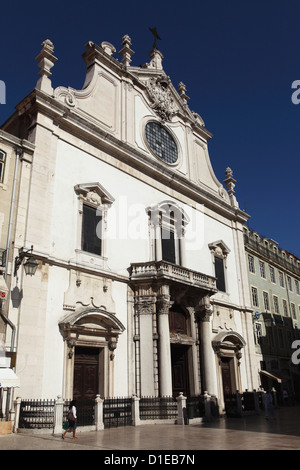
pixel 72 419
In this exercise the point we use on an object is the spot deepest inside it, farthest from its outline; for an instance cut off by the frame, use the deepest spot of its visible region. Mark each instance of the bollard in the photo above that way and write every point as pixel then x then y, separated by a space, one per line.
pixel 99 413
pixel 58 415
pixel 181 409
pixel 17 404
pixel 135 411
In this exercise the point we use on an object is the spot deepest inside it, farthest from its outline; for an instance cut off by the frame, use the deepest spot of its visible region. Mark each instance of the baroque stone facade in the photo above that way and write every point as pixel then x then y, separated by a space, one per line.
pixel 141 286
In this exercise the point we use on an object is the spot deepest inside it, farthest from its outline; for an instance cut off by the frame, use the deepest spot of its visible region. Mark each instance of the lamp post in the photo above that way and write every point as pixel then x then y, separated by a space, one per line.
pixel 30 265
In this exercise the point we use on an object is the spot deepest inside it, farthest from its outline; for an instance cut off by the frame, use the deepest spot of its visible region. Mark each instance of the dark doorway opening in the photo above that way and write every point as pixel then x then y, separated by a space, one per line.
pixel 180 369
pixel 226 375
pixel 86 373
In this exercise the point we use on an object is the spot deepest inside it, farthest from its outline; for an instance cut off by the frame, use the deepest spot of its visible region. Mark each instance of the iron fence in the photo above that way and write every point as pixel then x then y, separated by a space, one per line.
pixel 195 407
pixel 85 410
pixel 36 414
pixel 117 412
pixel 231 405
pixel 158 408
pixel 248 401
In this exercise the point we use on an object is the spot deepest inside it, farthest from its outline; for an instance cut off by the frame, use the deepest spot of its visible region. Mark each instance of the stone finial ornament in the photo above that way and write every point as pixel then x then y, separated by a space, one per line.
pixel 182 92
pixel 46 61
pixel 230 185
pixel 229 181
pixel 126 52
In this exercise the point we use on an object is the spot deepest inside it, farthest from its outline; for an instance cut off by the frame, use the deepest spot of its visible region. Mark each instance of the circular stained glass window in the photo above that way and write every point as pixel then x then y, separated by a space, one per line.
pixel 161 142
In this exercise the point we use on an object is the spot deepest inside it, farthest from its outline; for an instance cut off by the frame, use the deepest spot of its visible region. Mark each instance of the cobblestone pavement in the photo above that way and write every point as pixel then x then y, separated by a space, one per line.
pixel 248 433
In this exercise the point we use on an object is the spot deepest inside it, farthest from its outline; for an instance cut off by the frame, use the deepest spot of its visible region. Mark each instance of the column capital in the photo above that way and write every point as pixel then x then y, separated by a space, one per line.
pixel 163 304
pixel 204 310
pixel 144 305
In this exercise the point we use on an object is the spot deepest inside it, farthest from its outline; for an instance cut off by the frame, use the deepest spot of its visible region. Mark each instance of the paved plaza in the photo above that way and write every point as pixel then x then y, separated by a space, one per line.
pixel 248 433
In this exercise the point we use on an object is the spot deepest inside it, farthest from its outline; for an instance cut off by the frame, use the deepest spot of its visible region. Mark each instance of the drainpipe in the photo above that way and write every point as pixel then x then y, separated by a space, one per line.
pixel 11 216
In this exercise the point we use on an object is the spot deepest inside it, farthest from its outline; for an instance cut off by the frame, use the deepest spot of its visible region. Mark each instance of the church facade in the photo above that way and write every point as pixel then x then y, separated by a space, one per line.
pixel 141 285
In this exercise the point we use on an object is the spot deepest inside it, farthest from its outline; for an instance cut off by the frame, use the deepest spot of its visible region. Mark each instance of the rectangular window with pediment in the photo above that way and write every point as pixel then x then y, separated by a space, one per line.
pixel 91 230
pixel 94 201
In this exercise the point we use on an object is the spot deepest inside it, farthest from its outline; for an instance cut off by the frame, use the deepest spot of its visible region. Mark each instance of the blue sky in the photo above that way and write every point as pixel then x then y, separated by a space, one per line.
pixel 238 60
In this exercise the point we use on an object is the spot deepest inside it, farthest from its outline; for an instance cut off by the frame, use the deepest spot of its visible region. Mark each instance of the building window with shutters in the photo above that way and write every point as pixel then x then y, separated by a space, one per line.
pixel 266 301
pixel 251 264
pixel 262 269
pixel 281 281
pixel 276 304
pixel 254 297
pixel 285 308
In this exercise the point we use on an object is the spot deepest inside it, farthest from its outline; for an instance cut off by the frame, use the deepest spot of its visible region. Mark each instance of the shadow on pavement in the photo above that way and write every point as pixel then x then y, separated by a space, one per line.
pixel 286 421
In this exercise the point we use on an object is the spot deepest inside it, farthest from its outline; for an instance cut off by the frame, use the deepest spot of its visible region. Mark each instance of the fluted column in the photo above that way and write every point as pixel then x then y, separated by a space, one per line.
pixel 165 367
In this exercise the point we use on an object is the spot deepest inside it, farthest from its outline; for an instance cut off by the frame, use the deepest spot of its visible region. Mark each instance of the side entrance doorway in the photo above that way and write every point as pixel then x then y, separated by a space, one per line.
pixel 226 367
pixel 86 373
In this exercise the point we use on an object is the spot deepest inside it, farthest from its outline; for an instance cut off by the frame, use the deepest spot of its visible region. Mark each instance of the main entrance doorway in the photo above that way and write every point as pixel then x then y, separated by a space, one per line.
pixel 180 372
pixel 86 373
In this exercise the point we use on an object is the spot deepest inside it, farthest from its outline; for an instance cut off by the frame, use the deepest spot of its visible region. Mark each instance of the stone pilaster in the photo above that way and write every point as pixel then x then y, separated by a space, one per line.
pixel 144 308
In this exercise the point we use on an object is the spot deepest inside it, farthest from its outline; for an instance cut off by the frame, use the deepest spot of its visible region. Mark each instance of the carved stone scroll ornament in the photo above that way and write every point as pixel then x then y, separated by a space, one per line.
pixel 66 95
pixel 163 101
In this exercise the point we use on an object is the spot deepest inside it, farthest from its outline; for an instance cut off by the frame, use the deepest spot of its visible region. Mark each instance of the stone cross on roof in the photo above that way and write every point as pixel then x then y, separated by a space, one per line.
pixel 156 37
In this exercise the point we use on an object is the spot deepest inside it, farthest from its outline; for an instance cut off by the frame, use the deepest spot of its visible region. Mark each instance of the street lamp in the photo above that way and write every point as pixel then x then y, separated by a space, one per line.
pixel 30 265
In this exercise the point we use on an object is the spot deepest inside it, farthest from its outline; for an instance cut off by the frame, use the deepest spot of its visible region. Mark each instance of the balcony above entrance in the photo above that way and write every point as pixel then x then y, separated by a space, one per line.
pixel 171 273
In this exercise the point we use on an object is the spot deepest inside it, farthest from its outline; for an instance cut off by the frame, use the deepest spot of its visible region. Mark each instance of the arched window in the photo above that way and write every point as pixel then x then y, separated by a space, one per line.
pixel 167 224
